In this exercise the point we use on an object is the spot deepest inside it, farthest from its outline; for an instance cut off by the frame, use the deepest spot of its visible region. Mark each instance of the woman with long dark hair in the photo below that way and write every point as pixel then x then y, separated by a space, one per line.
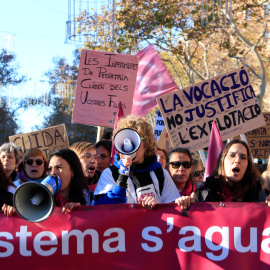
pixel 74 191
pixel 235 178
pixel 7 190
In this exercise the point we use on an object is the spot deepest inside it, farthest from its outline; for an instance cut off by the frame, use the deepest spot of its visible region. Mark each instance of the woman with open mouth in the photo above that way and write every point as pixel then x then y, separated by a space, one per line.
pixel 235 178
pixel 74 191
pixel 88 157
pixel 33 167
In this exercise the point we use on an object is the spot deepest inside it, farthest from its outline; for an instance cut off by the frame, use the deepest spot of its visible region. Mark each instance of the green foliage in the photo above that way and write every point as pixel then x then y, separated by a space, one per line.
pixel 8 76
pixel 196 51
pixel 8 70
pixel 8 125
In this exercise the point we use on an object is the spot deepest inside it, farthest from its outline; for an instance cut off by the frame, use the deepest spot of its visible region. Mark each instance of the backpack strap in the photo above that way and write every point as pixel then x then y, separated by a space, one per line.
pixel 158 172
pixel 160 176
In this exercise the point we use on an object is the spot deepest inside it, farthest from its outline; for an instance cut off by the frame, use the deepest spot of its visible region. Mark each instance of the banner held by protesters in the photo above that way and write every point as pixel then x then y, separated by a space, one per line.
pixel 123 236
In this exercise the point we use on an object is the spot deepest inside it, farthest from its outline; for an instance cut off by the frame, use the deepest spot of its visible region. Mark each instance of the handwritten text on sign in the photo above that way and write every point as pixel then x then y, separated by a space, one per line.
pixel 48 139
pixel 104 79
pixel 259 139
pixel 229 99
pixel 159 125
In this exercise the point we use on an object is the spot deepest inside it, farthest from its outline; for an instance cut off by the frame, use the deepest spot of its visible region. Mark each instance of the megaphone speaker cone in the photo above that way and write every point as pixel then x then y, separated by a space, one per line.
pixel 33 202
pixel 127 141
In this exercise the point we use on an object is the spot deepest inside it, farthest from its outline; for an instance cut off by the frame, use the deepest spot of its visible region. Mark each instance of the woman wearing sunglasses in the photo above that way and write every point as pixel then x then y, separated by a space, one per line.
pixel 197 172
pixel 179 163
pixel 88 156
pixel 33 167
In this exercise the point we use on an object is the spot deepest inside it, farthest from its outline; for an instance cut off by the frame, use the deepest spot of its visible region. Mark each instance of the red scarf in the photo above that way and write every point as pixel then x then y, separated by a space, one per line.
pixel 189 188
pixel 60 201
pixel 228 195
pixel 92 187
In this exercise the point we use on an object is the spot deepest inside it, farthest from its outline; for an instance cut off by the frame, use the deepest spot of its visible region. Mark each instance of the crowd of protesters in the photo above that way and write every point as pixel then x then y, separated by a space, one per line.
pixel 153 176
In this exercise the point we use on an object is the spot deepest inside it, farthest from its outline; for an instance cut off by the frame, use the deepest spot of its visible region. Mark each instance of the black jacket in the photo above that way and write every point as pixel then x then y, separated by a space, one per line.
pixel 5 197
pixel 212 189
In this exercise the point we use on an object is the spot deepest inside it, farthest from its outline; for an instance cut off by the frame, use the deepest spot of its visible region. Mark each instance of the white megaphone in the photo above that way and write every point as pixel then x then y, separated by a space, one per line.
pixel 127 141
pixel 34 201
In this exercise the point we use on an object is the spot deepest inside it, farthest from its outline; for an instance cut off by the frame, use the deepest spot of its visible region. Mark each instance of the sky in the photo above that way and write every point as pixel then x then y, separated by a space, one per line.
pixel 39 30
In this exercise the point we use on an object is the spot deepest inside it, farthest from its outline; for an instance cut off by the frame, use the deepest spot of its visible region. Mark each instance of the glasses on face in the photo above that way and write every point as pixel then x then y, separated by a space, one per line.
pixel 232 156
pixel 30 162
pixel 90 156
pixel 177 164
pixel 197 173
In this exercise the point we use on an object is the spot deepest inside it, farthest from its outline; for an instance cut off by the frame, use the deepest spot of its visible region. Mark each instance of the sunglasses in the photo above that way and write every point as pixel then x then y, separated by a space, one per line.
pixel 90 156
pixel 177 164
pixel 197 173
pixel 31 161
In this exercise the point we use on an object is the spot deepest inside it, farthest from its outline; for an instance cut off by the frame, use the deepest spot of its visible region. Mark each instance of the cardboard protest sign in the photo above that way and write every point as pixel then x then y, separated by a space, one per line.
pixel 104 79
pixel 164 141
pixel 48 139
pixel 259 139
pixel 229 99
pixel 159 125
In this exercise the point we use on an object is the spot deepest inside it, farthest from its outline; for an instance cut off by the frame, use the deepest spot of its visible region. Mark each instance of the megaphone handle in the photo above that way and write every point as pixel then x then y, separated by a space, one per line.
pixel 57 186
pixel 124 170
pixel 122 181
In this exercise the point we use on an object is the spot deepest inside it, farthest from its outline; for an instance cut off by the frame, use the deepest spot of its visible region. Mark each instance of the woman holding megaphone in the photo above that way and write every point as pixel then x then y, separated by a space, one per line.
pixel 65 186
pixel 74 191
pixel 136 176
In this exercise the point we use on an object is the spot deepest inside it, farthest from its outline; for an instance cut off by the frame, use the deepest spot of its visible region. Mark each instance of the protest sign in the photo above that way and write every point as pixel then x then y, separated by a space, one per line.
pixel 164 141
pixel 159 125
pixel 124 236
pixel 229 99
pixel 104 79
pixel 48 139
pixel 259 139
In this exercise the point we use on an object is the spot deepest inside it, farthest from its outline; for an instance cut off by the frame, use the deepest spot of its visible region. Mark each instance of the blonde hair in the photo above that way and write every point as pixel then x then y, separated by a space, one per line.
pixel 197 162
pixel 143 127
pixel 33 152
pixel 266 176
pixel 80 147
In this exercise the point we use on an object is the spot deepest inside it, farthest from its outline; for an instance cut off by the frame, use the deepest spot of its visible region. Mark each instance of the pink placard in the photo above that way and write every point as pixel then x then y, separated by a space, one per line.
pixel 104 79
